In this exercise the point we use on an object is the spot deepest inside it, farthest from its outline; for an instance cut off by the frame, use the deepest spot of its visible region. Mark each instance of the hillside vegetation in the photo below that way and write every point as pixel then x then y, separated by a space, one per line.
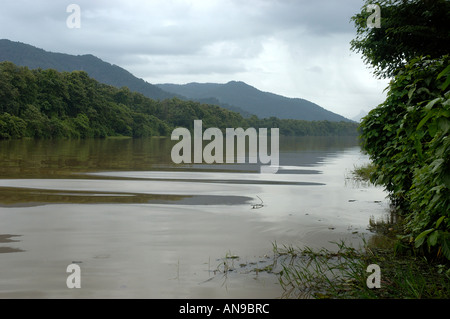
pixel 234 96
pixel 50 104
pixel 23 54
pixel 254 101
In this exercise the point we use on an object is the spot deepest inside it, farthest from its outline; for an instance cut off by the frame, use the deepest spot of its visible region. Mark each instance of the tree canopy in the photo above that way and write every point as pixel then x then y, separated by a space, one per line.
pixel 50 104
pixel 407 136
pixel 409 28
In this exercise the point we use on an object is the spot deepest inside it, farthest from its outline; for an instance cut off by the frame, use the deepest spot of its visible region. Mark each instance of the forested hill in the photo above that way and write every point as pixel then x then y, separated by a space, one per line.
pixel 50 104
pixel 26 55
pixel 254 101
pixel 234 96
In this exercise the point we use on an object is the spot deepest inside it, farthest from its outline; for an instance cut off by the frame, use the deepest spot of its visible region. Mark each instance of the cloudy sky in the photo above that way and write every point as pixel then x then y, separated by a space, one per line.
pixel 295 48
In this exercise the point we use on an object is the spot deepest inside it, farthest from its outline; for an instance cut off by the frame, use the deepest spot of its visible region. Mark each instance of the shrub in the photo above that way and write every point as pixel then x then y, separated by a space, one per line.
pixel 407 139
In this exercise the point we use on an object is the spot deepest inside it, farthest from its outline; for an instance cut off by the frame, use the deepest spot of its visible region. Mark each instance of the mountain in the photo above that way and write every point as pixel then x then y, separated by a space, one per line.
pixel 235 96
pixel 254 101
pixel 26 55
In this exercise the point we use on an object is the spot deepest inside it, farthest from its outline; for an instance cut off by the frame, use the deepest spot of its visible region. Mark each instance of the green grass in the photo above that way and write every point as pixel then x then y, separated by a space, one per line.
pixel 364 172
pixel 342 274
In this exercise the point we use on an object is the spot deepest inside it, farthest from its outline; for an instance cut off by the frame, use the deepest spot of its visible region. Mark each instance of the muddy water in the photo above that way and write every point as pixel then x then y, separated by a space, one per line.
pixel 139 226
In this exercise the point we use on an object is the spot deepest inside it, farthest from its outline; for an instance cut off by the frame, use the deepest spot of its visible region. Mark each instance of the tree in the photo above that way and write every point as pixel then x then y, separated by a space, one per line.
pixel 407 136
pixel 51 104
pixel 409 28
pixel 11 126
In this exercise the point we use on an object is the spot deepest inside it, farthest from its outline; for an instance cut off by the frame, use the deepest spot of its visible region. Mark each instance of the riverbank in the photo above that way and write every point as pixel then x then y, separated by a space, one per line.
pixel 403 273
pixel 345 274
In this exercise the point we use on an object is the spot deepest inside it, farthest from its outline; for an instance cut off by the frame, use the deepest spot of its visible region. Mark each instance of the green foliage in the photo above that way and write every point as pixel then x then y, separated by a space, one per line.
pixel 11 126
pixel 342 274
pixel 407 138
pixel 409 28
pixel 436 237
pixel 49 104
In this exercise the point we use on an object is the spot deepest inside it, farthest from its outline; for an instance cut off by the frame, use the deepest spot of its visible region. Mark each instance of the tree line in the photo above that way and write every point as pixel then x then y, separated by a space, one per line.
pixel 50 104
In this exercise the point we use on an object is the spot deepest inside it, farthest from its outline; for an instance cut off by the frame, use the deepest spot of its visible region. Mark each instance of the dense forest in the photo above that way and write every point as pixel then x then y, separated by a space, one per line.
pixel 407 136
pixel 50 104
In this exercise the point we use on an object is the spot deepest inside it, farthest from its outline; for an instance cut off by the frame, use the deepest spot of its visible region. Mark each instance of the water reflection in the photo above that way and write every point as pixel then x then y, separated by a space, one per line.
pixel 45 158
pixel 56 166
pixel 7 239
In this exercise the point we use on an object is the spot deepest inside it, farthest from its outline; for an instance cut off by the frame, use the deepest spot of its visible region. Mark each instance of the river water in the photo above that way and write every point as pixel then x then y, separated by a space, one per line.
pixel 139 226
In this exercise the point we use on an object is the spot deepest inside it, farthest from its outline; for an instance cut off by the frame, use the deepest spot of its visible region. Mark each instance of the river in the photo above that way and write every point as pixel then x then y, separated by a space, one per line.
pixel 139 226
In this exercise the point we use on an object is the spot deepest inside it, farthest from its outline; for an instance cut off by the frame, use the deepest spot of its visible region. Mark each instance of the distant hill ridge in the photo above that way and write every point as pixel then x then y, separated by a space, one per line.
pixel 235 96
pixel 26 55
pixel 254 101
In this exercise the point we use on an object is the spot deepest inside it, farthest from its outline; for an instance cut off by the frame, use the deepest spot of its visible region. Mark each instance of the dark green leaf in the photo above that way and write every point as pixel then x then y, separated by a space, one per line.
pixel 446 247
pixel 433 238
pixel 439 221
pixel 421 237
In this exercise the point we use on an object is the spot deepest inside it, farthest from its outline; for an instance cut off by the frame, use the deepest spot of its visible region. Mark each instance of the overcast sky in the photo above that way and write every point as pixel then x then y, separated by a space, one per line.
pixel 295 48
